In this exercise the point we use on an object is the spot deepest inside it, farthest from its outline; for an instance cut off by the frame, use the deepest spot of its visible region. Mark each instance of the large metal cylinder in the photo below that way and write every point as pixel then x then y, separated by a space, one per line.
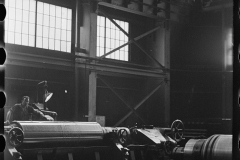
pixel 58 131
pixel 217 147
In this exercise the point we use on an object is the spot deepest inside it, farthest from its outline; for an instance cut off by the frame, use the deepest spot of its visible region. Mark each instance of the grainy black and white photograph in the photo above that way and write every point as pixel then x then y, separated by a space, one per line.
pixel 121 80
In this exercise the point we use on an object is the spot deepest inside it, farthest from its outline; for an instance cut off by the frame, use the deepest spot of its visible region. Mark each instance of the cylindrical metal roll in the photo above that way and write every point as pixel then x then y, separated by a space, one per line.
pixel 192 149
pixel 59 131
pixel 217 147
pixel 222 149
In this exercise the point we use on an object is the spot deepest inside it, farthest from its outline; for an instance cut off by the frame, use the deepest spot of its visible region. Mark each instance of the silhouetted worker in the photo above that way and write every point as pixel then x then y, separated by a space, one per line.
pixel 25 112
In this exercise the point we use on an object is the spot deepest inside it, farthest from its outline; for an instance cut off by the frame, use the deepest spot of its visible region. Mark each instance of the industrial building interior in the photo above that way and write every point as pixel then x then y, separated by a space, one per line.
pixel 122 79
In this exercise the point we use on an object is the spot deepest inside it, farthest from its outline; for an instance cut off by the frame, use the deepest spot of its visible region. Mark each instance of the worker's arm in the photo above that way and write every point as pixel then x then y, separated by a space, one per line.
pixel 40 116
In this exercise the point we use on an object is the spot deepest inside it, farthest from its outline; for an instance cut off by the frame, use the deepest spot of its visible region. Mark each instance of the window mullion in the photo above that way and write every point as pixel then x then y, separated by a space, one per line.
pixel 35 45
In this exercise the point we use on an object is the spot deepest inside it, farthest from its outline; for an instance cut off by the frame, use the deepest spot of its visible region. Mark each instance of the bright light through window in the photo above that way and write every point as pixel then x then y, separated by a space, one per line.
pixel 110 37
pixel 20 22
pixel 52 29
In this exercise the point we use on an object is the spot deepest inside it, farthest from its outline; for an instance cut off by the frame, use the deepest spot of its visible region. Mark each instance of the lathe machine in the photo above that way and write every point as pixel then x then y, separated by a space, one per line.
pixel 57 140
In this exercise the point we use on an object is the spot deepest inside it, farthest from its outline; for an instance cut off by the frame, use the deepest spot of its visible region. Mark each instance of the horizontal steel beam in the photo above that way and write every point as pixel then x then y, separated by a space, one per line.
pixel 103 68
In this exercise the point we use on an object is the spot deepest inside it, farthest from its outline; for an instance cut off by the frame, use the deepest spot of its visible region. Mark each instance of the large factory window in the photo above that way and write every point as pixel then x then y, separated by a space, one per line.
pixel 53 27
pixel 38 24
pixel 20 22
pixel 110 37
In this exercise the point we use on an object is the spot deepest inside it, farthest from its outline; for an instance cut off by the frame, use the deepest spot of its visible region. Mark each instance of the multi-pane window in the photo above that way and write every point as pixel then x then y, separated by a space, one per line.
pixel 52 25
pixel 20 22
pixel 110 37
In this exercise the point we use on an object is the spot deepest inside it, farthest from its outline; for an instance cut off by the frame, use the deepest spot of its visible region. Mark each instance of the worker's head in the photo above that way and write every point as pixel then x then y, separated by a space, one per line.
pixel 25 101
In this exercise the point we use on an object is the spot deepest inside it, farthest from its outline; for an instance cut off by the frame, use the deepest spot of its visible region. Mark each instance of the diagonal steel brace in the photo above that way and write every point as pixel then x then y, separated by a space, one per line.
pixel 132 39
pixel 129 42
pixel 111 88
pixel 139 104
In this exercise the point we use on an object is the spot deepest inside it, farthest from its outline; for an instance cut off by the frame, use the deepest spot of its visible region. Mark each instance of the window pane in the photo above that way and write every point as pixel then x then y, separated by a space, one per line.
pixel 63 46
pixel 18 27
pixel 126 27
pixel 39 19
pixel 11 37
pixel 64 13
pixel 57 34
pixel 11 13
pixel 46 20
pixel 18 38
pixel 64 24
pixel 116 55
pixel 19 14
pixel 52 10
pixel 31 17
pixel 45 43
pixel 69 36
pixel 7 14
pixel 113 34
pixel 6 24
pixel 101 42
pixel 57 45
pixel 45 31
pixel 58 11
pixel 63 35
pixel 51 33
pixel 40 7
pixel 108 43
pixel 39 42
pixel 51 44
pixel 101 51
pixel 39 30
pixel 69 14
pixel 69 25
pixel 11 3
pixel 122 37
pixel 69 47
pixel 11 25
pixel 24 39
pixel 32 5
pixel 25 16
pixel 126 48
pixel 102 31
pixel 117 43
pixel 108 22
pixel 26 4
pixel 58 22
pixel 122 55
pixel 31 41
pixel 25 28
pixel 46 9
pixel 102 21
pixel 117 34
pixel 19 4
pixel 52 21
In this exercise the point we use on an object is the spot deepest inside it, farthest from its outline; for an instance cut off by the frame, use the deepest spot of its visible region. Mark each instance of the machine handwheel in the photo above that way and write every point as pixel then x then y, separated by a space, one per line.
pixel 15 136
pixel 168 147
pixel 177 130
pixel 123 135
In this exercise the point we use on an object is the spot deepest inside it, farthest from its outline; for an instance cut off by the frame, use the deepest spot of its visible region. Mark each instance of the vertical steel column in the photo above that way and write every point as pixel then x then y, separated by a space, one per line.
pixel 224 65
pixel 167 65
pixel 76 38
pixel 92 76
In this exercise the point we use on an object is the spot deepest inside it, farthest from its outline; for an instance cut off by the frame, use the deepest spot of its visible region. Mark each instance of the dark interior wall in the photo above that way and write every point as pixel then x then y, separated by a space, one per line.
pixel 132 91
pixel 198 80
